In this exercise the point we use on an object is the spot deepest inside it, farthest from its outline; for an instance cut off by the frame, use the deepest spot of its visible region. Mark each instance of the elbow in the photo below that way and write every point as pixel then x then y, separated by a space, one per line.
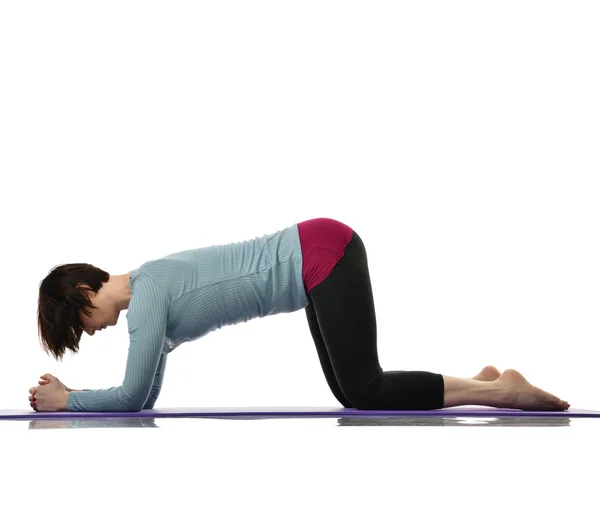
pixel 135 407
pixel 133 401
pixel 133 404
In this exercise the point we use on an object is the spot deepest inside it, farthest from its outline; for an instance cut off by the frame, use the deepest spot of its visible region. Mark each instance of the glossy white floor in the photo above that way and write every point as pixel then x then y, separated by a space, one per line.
pixel 299 466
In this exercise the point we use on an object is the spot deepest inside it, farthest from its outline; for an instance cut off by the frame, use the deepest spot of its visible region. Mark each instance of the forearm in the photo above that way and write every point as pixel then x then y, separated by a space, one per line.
pixel 114 399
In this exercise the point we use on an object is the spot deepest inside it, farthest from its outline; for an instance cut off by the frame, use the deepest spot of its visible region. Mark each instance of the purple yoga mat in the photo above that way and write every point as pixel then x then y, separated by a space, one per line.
pixel 286 412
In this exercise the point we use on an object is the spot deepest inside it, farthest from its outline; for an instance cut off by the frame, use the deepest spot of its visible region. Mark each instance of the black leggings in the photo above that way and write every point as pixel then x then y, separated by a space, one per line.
pixel 341 317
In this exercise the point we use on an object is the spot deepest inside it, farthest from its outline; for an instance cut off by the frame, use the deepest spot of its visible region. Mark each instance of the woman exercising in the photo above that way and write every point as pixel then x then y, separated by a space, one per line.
pixel 319 265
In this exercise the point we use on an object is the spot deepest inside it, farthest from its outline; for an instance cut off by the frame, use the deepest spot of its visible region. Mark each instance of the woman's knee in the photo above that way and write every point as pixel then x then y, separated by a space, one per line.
pixel 361 395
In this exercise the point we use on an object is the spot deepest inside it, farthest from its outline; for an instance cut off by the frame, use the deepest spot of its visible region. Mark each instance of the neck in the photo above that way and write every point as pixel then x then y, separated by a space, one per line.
pixel 121 290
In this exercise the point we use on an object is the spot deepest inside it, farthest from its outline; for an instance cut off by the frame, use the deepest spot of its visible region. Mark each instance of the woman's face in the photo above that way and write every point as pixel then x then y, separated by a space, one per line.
pixel 99 318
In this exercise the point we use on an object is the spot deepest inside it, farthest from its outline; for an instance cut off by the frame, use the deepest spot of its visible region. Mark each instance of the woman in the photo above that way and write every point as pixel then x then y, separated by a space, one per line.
pixel 319 265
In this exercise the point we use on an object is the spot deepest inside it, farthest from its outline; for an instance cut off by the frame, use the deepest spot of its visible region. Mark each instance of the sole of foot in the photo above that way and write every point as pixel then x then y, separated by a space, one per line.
pixel 522 395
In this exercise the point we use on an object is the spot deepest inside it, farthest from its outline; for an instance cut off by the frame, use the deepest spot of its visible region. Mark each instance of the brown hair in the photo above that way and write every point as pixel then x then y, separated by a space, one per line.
pixel 60 302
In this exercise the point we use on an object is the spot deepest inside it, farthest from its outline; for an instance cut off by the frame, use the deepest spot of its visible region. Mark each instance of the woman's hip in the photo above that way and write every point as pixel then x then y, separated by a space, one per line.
pixel 323 242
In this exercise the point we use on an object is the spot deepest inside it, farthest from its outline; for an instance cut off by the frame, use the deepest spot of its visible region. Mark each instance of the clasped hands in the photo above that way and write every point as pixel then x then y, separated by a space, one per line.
pixel 49 396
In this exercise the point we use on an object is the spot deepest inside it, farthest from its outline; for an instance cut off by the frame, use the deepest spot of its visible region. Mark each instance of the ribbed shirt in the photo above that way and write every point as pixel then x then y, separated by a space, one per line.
pixel 185 295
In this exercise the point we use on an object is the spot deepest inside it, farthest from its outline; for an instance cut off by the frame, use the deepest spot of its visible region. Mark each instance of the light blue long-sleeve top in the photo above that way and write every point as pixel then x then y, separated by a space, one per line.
pixel 188 294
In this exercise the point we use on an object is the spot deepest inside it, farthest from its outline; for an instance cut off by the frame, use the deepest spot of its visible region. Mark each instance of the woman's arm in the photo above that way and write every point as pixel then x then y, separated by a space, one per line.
pixel 147 321
pixel 158 380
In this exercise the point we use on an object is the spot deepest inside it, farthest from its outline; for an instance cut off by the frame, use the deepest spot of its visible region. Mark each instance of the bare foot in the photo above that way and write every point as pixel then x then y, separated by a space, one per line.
pixel 523 395
pixel 488 374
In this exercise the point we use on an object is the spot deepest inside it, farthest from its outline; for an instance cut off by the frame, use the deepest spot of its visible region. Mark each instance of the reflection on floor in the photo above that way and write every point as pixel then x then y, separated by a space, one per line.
pixel 145 422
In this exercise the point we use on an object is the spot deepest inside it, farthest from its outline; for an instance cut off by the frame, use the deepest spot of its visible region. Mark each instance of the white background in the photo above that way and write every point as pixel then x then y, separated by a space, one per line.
pixel 459 139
